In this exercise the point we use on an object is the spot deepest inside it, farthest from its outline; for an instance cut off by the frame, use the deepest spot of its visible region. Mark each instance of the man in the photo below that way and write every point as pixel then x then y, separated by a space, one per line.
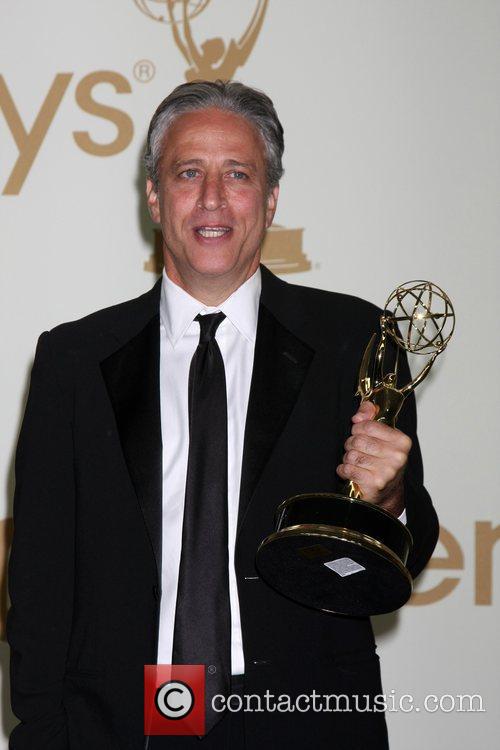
pixel 158 439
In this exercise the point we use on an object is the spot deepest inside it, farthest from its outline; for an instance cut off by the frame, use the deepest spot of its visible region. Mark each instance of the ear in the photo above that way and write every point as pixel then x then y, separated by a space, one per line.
pixel 272 202
pixel 152 200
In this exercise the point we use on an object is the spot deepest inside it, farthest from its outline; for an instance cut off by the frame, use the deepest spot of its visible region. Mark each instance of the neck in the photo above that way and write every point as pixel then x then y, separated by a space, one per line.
pixel 211 290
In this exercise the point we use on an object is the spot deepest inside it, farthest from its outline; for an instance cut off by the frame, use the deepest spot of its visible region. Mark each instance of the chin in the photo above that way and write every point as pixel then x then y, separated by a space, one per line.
pixel 214 266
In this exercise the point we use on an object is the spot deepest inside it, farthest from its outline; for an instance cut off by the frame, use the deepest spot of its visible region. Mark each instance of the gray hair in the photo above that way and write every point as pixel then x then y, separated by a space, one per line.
pixel 231 96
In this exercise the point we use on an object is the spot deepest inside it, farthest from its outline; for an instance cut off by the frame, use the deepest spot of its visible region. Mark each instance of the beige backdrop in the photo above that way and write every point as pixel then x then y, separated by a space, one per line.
pixel 391 116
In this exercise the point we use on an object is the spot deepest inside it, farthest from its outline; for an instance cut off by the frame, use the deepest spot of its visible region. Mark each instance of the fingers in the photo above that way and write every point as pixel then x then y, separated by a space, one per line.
pixel 362 450
pixel 372 446
pixel 382 432
pixel 385 465
pixel 375 454
pixel 371 483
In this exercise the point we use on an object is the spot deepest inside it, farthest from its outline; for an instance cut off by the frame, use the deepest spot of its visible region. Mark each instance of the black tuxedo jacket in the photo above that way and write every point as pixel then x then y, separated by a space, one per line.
pixel 85 565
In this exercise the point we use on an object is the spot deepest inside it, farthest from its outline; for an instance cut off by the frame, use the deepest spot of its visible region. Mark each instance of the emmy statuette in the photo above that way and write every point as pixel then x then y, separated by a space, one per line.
pixel 336 552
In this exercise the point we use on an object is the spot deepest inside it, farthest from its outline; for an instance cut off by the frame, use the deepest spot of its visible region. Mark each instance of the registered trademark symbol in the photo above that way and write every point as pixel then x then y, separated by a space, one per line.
pixel 144 71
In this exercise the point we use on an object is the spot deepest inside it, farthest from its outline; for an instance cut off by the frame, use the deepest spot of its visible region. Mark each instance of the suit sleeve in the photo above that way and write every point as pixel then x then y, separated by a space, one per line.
pixel 41 564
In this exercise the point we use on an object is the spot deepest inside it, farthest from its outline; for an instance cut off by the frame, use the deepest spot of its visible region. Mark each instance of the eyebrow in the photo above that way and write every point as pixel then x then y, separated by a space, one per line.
pixel 228 162
pixel 235 163
pixel 183 162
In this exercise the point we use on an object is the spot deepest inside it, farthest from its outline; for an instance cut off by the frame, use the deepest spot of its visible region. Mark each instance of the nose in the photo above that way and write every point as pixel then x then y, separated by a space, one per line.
pixel 212 196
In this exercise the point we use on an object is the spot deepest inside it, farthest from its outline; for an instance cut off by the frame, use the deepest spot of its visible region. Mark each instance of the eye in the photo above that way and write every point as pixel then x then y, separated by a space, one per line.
pixel 238 175
pixel 189 174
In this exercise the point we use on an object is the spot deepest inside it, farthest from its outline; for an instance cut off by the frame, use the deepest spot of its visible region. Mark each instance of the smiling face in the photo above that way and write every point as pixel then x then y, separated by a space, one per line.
pixel 212 201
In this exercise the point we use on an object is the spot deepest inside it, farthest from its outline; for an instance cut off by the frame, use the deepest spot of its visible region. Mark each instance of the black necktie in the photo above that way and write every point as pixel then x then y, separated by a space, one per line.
pixel 202 630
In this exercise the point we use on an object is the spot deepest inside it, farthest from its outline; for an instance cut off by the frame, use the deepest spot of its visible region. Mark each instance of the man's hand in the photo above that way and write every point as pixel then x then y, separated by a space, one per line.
pixel 375 458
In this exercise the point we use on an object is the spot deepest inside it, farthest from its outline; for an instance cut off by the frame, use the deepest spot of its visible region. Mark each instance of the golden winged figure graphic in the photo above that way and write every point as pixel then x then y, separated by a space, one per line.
pixel 214 58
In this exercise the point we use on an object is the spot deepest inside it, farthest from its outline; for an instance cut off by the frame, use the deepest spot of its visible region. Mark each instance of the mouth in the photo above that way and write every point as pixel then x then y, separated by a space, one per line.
pixel 210 233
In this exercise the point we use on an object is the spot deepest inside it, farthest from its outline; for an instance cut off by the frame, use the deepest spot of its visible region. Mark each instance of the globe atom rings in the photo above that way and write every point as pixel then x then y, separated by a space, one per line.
pixel 419 317
pixel 157 10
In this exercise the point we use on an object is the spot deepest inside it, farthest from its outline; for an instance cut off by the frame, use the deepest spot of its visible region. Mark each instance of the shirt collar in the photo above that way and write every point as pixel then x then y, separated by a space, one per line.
pixel 178 308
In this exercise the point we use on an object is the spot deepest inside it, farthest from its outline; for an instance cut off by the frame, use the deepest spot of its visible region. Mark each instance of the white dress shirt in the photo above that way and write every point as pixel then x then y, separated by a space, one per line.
pixel 179 337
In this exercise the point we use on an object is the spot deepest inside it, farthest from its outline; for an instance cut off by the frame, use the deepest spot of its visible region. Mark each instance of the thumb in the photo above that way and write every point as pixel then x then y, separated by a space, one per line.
pixel 367 411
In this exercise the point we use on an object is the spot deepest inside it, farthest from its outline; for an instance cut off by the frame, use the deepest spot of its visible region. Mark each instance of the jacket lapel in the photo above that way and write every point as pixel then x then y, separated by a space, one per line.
pixel 281 362
pixel 131 375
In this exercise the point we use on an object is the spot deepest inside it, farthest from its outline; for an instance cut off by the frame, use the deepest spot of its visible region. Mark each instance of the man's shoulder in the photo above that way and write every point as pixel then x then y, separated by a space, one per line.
pixel 327 311
pixel 98 329
pixel 332 302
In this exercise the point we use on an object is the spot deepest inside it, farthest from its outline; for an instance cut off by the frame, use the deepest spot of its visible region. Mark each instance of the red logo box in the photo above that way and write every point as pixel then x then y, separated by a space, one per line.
pixel 174 699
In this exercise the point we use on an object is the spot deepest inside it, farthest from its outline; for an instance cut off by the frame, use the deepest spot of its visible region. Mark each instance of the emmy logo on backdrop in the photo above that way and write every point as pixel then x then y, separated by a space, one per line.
pixel 214 58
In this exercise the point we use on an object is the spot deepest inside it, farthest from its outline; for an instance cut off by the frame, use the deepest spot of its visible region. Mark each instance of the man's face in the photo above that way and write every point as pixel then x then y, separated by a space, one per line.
pixel 212 200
